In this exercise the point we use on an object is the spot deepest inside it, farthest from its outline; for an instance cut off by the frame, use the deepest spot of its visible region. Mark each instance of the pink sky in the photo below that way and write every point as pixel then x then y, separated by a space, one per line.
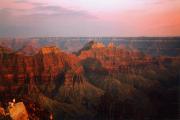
pixel 89 17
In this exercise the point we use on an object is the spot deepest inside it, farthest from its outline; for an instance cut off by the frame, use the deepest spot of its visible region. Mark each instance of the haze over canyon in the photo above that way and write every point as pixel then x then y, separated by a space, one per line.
pixel 89 59
pixel 107 78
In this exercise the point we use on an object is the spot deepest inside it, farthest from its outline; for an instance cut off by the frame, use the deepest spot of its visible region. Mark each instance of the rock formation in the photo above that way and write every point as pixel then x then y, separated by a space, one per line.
pixel 111 45
pixel 98 45
pixel 101 81
pixel 50 71
pixel 18 111
pixel 113 58
pixel 18 69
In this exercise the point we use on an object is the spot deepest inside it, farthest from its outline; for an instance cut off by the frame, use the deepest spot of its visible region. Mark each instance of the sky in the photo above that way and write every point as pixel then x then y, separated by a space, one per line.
pixel 33 18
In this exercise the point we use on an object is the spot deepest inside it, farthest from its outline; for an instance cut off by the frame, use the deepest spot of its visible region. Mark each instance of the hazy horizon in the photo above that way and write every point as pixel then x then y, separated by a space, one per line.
pixel 26 37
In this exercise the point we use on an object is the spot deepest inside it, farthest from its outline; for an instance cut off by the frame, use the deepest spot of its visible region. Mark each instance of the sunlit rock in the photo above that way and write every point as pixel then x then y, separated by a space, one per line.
pixel 18 111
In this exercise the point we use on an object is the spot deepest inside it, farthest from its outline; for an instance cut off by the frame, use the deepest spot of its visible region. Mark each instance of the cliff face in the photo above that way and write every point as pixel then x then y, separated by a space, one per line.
pixel 50 72
pixel 115 58
pixel 103 81
pixel 18 69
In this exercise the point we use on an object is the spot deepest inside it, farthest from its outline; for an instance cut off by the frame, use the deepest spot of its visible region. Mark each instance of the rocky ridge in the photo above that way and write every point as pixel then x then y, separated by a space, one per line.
pixel 99 81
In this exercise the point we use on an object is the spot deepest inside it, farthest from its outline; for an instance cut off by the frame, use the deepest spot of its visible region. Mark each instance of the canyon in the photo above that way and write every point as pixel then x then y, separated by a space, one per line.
pixel 102 79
